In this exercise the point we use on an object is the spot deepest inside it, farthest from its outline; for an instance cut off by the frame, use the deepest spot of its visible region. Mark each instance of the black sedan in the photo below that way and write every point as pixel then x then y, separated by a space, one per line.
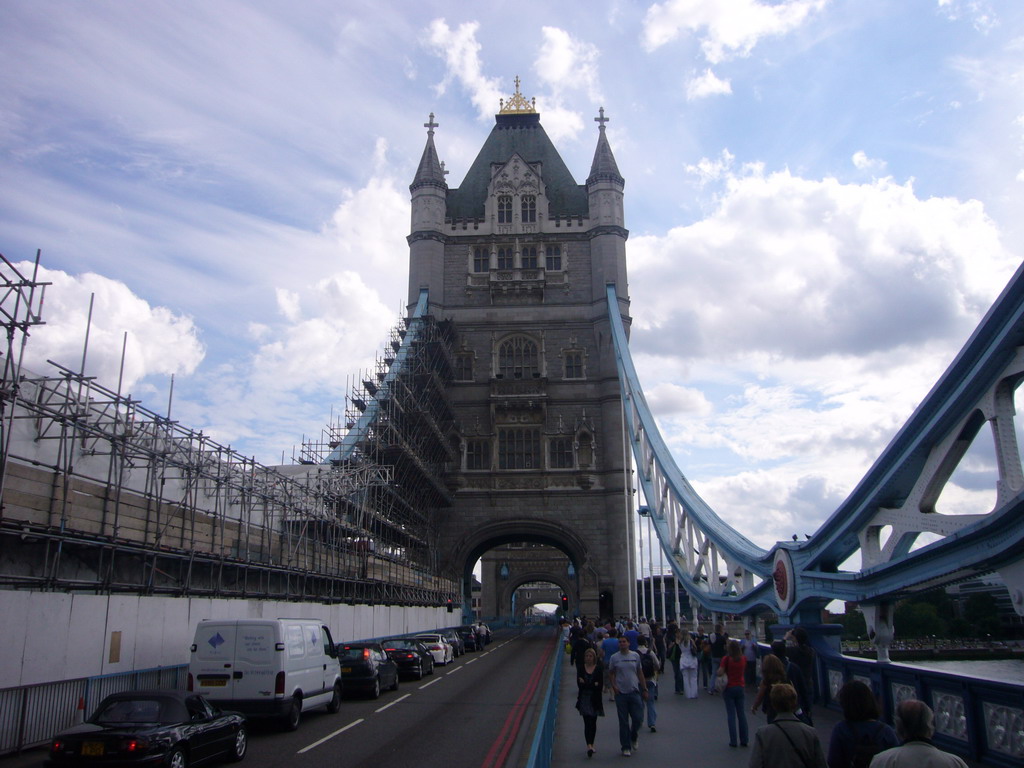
pixel 151 728
pixel 367 667
pixel 470 640
pixel 411 656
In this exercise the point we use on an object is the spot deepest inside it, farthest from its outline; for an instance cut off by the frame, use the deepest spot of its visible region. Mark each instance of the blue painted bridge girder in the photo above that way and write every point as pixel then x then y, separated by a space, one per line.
pixel 726 572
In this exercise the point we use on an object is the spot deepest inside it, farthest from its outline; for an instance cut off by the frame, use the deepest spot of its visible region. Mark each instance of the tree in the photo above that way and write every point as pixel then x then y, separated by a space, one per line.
pixel 917 619
pixel 982 613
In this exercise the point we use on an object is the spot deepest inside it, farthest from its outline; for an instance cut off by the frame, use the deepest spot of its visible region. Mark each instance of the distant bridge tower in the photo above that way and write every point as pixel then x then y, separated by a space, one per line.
pixel 519 257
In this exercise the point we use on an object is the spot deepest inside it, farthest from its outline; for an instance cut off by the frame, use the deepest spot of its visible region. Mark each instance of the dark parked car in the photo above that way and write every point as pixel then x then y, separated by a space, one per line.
pixel 152 728
pixel 366 667
pixel 455 639
pixel 411 656
pixel 470 640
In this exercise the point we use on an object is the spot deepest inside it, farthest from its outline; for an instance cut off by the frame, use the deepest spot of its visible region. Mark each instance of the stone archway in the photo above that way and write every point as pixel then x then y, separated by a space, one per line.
pixel 565 584
pixel 582 590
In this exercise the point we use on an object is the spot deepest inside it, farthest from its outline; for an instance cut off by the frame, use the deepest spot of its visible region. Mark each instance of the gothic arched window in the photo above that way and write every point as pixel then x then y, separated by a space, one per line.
pixel 504 209
pixel 528 257
pixel 506 258
pixel 517 358
pixel 481 260
pixel 529 208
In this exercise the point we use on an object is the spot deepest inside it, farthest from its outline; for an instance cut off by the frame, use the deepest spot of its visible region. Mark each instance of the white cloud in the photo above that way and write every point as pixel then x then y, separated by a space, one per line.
pixel 666 398
pixel 288 303
pixel 811 268
pixel 864 163
pixel 980 13
pixel 461 53
pixel 159 342
pixel 560 124
pixel 727 28
pixel 707 84
pixel 810 317
pixel 566 63
pixel 707 170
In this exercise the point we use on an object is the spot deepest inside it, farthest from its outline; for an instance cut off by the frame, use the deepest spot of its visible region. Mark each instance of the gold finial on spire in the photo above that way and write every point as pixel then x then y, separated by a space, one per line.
pixel 517 104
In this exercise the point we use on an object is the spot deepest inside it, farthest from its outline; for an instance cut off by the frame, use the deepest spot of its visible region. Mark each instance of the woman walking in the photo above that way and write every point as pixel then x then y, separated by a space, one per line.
pixel 733 665
pixel 589 701
pixel 689 659
pixel 772 673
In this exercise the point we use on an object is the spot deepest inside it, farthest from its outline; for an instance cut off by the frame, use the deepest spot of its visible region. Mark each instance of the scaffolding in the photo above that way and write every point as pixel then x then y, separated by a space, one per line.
pixel 101 494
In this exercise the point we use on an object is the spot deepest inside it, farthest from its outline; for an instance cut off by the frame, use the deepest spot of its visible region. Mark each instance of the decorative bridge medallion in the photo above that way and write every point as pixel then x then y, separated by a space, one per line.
pixel 782 576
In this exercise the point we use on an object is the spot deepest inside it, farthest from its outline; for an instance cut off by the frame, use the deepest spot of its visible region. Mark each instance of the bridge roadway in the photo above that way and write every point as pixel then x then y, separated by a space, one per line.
pixel 478 712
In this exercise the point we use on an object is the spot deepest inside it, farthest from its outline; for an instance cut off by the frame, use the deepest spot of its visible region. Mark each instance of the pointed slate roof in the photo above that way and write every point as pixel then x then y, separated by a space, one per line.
pixel 429 170
pixel 604 167
pixel 523 134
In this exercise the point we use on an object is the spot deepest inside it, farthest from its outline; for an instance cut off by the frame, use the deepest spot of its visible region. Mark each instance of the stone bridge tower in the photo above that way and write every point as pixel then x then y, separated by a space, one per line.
pixel 518 258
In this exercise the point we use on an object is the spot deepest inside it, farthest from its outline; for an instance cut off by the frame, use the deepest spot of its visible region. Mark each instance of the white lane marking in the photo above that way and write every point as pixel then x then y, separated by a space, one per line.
pixel 470 661
pixel 330 736
pixel 425 685
pixel 400 698
pixel 453 671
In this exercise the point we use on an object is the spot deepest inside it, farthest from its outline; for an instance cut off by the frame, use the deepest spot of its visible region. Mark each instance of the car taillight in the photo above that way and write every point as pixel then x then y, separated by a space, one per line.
pixel 136 745
pixel 56 746
pixel 366 654
pixel 279 684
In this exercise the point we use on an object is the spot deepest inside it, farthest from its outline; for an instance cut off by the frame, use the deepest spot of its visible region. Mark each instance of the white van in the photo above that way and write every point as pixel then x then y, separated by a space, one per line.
pixel 266 667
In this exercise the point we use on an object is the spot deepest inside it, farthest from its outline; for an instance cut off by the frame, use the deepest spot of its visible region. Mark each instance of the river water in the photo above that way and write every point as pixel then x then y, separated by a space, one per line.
pixel 1000 670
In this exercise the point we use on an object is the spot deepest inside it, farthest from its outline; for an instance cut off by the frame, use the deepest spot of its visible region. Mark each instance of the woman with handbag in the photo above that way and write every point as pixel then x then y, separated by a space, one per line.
pixel 730 681
pixel 589 700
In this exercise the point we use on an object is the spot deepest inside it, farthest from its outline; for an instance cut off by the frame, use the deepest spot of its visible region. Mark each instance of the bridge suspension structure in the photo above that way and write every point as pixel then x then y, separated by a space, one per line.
pixel 102 495
pixel 888 539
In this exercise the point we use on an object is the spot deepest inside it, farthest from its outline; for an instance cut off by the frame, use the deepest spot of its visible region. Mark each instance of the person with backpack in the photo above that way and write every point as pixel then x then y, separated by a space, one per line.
pixel 650 664
pixel 859 736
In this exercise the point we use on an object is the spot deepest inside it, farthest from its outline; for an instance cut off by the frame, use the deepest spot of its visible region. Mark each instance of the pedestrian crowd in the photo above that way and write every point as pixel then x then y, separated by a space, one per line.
pixel 627 661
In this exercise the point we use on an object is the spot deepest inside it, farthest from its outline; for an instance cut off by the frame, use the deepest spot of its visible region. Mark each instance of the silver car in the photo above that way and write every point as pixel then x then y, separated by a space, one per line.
pixel 439 648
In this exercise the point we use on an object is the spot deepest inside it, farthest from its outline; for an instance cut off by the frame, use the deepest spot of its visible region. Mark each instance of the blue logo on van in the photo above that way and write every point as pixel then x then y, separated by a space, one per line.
pixel 216 641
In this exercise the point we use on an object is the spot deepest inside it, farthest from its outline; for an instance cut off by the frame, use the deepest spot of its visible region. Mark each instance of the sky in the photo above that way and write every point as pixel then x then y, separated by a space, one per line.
pixel 823 199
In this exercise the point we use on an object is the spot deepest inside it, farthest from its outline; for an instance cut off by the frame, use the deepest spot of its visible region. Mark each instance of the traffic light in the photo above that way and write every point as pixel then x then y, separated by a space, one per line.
pixel 451 607
pixel 565 603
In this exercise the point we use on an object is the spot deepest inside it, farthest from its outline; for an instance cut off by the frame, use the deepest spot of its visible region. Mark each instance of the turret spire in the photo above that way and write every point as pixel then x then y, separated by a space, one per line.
pixel 604 167
pixel 430 170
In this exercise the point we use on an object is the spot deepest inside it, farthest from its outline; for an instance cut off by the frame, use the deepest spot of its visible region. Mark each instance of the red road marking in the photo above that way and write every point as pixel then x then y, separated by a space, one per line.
pixel 510 730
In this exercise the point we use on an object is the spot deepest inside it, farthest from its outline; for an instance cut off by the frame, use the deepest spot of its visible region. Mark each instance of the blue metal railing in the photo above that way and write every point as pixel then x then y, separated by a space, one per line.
pixel 978 719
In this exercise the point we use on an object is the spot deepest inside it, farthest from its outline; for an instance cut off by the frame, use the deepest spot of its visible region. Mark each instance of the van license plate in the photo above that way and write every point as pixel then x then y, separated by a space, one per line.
pixel 346 670
pixel 92 748
pixel 213 683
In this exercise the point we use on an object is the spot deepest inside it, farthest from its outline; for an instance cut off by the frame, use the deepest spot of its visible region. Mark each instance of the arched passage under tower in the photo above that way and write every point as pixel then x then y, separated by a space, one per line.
pixel 524 551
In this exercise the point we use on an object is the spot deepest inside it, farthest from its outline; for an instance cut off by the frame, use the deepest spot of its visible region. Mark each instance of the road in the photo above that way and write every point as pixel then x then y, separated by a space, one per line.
pixel 477 711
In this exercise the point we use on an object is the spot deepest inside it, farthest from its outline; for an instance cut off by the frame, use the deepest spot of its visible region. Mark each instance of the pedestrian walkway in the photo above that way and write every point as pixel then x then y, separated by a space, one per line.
pixel 688 729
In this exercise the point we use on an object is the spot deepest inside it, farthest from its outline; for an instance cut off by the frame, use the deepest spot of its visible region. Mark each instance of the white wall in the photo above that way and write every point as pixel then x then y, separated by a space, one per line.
pixel 48 636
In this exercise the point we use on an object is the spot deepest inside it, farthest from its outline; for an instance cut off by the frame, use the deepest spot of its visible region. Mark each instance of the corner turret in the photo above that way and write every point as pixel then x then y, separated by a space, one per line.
pixel 429 192
pixel 607 218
